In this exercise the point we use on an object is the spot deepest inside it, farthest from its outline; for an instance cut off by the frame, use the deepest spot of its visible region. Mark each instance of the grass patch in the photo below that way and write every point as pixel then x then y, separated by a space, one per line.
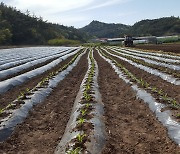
pixel 60 42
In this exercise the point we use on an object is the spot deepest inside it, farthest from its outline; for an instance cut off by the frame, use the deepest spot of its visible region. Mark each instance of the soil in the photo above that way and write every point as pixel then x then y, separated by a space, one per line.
pixel 163 47
pixel 131 126
pixel 12 94
pixel 44 127
pixel 155 81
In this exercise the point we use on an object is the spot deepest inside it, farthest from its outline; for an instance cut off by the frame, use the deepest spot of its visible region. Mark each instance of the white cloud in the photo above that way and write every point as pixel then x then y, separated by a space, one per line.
pixel 67 12
pixel 49 5
pixel 105 3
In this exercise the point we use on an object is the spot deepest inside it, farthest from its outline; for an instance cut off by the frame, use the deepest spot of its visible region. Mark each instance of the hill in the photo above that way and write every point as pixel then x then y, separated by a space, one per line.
pixel 155 27
pixel 18 28
pixel 100 29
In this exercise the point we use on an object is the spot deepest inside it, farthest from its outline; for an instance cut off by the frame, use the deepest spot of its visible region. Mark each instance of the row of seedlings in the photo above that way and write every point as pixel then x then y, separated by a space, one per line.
pixel 142 62
pixel 162 54
pixel 17 110
pixel 164 76
pixel 159 94
pixel 155 59
pixel 85 132
pixel 153 96
pixel 159 59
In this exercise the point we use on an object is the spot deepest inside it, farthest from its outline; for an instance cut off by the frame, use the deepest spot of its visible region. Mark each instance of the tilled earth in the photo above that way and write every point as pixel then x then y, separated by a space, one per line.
pixel 130 125
pixel 164 47
pixel 44 127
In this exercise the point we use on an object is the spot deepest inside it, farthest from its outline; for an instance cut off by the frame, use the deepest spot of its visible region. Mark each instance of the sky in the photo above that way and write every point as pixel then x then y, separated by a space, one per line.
pixel 79 13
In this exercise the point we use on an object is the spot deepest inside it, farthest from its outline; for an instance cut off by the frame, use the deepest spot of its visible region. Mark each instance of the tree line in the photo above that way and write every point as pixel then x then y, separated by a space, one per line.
pixel 17 28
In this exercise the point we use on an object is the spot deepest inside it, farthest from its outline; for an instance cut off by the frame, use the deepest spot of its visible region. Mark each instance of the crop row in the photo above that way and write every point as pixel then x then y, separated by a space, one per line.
pixel 17 69
pixel 150 57
pixel 158 93
pixel 28 54
pixel 159 109
pixel 169 55
pixel 26 99
pixel 85 112
pixel 162 75
pixel 172 65
pixel 42 84
pixel 142 62
pixel 19 79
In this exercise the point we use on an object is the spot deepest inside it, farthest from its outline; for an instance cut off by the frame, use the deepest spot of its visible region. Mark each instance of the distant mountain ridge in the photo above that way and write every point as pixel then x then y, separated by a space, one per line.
pixel 154 27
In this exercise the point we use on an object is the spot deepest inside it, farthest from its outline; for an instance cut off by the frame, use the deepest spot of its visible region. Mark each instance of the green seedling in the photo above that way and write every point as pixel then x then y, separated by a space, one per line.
pixel 146 85
pixel 80 137
pixel 1 111
pixel 81 121
pixel 87 105
pixel 160 92
pixel 75 151
pixel 88 87
pixel 178 116
pixel 154 89
pixel 174 103
pixel 165 97
pixel 86 96
pixel 83 111
pixel 27 90
pixel 142 82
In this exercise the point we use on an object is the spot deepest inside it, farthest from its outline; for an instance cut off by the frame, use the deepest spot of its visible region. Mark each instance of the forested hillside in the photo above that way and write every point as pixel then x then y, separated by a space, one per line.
pixel 100 29
pixel 156 27
pixel 18 28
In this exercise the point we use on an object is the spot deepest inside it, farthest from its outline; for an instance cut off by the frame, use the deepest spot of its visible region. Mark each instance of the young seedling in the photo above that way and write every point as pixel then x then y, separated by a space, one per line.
pixel 83 112
pixel 178 116
pixel 80 137
pixel 174 103
pixel 146 85
pixel 87 105
pixel 154 89
pixel 160 92
pixel 165 97
pixel 1 111
pixel 75 151
pixel 81 121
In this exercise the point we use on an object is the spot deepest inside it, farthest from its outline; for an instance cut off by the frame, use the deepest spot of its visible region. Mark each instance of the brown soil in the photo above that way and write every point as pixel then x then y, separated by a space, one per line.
pixel 166 70
pixel 12 94
pixel 155 81
pixel 163 47
pixel 43 129
pixel 131 126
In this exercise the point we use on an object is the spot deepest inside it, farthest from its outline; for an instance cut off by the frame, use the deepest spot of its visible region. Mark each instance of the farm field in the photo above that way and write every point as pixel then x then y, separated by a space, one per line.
pixel 164 47
pixel 89 100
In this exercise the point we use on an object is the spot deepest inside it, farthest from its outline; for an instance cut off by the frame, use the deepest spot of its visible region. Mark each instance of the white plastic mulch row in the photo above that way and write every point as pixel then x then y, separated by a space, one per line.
pixel 154 53
pixel 13 70
pixel 135 52
pixel 10 83
pixel 17 116
pixel 172 126
pixel 164 76
pixel 35 54
pixel 170 66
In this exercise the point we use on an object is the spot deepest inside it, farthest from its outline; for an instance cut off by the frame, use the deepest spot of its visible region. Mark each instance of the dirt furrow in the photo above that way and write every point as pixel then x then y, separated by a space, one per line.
pixel 42 130
pixel 130 125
